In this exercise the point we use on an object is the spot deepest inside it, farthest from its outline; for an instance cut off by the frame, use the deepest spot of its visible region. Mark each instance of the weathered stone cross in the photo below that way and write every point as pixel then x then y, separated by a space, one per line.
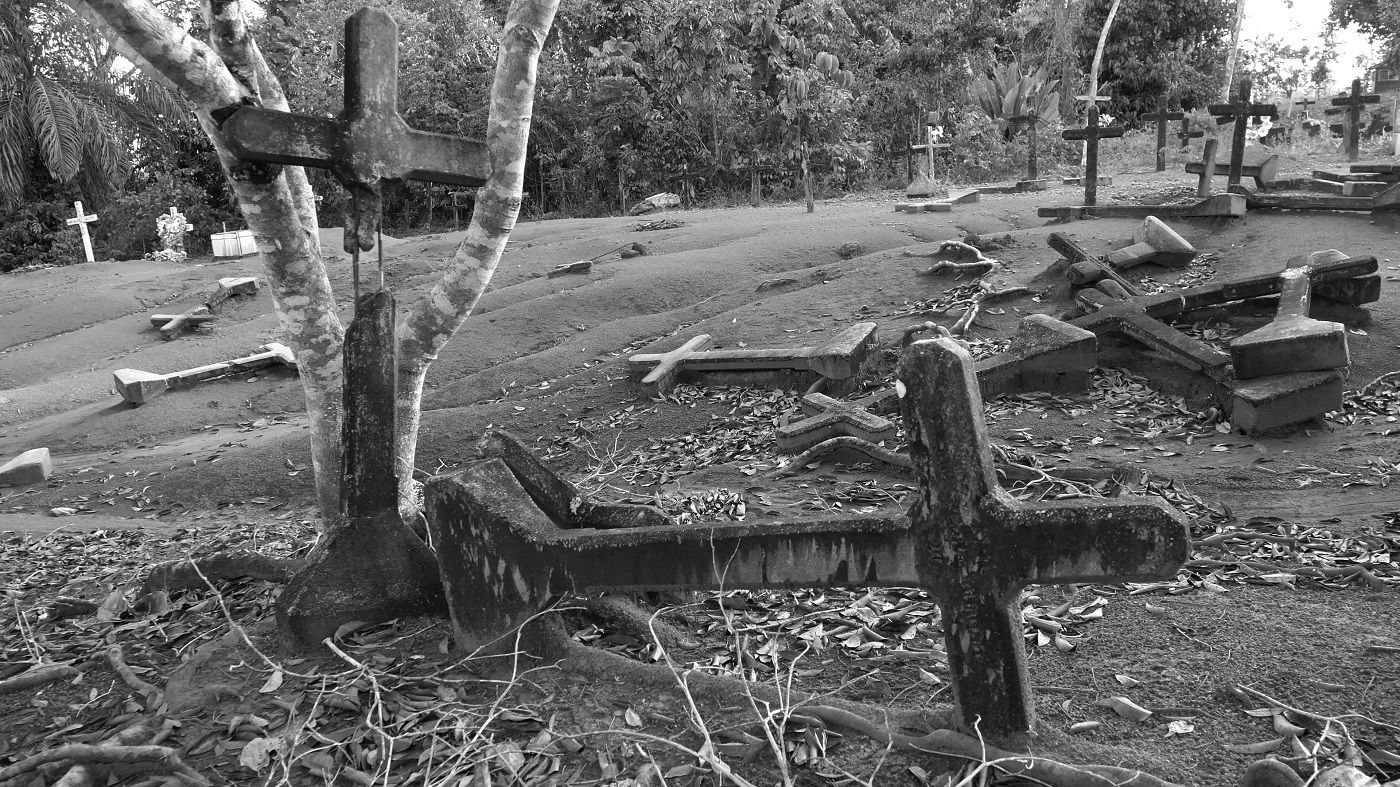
pixel 1186 134
pixel 1091 134
pixel 1353 104
pixel 925 183
pixel 1162 117
pixel 1239 113
pixel 507 546
pixel 1030 120
pixel 368 146
pixel 81 221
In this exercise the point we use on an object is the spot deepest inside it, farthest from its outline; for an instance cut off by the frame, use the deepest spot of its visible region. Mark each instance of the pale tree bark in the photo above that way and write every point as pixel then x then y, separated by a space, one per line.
pixel 276 202
pixel 430 323
pixel 280 208
pixel 1233 56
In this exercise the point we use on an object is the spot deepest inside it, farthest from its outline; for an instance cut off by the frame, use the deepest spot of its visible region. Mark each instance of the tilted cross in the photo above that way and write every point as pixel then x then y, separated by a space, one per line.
pixel 929 147
pixel 1239 113
pixel 1186 134
pixel 1091 134
pixel 81 221
pixel 507 544
pixel 368 146
pixel 1162 117
pixel 1353 104
pixel 1030 120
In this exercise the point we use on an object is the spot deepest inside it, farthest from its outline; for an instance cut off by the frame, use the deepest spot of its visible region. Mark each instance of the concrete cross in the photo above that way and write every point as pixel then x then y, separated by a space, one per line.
pixel 1162 117
pixel 1353 104
pixel 1239 113
pixel 1091 134
pixel 1186 134
pixel 368 146
pixel 506 546
pixel 1030 120
pixel 828 417
pixel 81 221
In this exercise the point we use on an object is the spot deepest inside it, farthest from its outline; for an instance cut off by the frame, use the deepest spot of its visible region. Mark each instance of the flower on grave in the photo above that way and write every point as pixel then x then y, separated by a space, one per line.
pixel 172 227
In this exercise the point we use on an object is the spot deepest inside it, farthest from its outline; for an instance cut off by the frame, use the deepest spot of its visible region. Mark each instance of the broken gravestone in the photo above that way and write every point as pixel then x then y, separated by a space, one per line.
pixel 31 467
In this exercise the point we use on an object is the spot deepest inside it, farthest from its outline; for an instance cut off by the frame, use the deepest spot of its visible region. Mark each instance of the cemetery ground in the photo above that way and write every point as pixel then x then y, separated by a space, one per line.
pixel 1269 643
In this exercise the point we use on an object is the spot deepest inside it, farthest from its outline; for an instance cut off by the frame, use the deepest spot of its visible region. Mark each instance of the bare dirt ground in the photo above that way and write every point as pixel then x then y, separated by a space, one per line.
pixel 226 464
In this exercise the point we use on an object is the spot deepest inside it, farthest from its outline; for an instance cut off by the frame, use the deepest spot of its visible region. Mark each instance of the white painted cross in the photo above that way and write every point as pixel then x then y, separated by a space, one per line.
pixel 81 221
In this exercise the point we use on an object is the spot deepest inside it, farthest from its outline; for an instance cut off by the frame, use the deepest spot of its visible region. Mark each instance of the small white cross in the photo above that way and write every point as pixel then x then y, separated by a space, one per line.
pixel 81 221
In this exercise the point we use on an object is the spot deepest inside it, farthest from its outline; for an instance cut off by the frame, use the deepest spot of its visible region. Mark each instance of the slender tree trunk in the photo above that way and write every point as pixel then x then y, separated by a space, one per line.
pixel 277 202
pixel 430 323
pixel 1232 57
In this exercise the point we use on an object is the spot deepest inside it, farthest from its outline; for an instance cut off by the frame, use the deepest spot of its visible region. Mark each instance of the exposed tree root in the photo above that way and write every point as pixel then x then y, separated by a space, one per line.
pixel 546 636
pixel 622 615
pixel 184 574
pixel 129 677
pixel 152 757
pixel 69 607
pixel 844 443
pixel 83 775
pixel 37 677
pixel 948 743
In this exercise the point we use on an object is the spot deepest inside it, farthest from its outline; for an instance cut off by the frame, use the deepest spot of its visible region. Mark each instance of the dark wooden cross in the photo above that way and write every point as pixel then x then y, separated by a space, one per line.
pixel 1162 117
pixel 1030 120
pixel 1186 134
pixel 1353 104
pixel 1239 113
pixel 509 541
pixel 1091 134
pixel 368 146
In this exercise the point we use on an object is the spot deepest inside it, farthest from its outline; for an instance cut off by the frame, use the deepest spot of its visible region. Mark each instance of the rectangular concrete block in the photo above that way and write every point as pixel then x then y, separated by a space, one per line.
pixel 1045 355
pixel 1273 402
pixel 31 467
pixel 1039 184
pixel 1363 188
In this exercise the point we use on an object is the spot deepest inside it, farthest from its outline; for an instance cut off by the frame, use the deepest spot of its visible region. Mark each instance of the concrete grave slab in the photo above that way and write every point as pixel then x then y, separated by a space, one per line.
pixel 1293 341
pixel 1218 206
pixel 1154 242
pixel 965 540
pixel 1270 403
pixel 31 467
pixel 232 287
pixel 1046 355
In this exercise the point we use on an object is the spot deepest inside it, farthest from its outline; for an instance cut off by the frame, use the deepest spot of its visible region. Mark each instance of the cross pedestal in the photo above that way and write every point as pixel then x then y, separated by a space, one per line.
pixel 81 221
pixel 1239 112
pixel 1353 104
pixel 368 146
pixel 1091 134
pixel 1162 117
pixel 506 548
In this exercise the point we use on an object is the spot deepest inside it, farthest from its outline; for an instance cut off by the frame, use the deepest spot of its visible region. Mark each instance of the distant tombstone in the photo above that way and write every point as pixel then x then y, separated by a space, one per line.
pixel 171 227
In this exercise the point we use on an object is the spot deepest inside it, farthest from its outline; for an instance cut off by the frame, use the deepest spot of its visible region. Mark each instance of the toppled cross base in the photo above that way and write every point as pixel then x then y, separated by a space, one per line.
pixel 964 539
pixel 138 387
pixel 838 359
pixel 31 467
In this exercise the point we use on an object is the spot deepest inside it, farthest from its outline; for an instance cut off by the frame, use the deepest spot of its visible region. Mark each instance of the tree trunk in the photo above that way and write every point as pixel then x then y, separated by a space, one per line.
pixel 276 202
pixel 430 323
pixel 1232 56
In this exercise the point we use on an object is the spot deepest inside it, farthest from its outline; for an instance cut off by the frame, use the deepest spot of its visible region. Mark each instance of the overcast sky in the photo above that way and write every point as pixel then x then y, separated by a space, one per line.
pixel 1300 22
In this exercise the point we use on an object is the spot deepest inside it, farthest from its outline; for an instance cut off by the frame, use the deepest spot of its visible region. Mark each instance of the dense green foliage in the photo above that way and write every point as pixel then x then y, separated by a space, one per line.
pixel 635 97
pixel 1379 18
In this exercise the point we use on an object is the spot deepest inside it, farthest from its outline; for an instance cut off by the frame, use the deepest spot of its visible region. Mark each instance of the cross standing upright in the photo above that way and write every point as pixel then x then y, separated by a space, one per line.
pixel 1239 112
pixel 81 221
pixel 368 146
pixel 1091 134
pixel 1353 104
pixel 1162 117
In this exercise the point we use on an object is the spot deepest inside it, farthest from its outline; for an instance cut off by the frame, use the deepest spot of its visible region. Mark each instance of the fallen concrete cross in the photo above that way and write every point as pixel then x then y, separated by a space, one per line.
pixel 1217 206
pixel 1154 242
pixel 838 359
pixel 1293 341
pixel 504 557
pixel 938 205
pixel 1265 172
pixel 1086 268
pixel 231 287
pixel 31 467
pixel 172 325
pixel 828 418
pixel 1267 404
pixel 138 387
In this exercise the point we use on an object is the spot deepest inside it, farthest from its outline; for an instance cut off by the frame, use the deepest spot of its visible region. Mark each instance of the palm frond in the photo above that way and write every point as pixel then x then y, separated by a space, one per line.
pixel 15 146
pixel 56 127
